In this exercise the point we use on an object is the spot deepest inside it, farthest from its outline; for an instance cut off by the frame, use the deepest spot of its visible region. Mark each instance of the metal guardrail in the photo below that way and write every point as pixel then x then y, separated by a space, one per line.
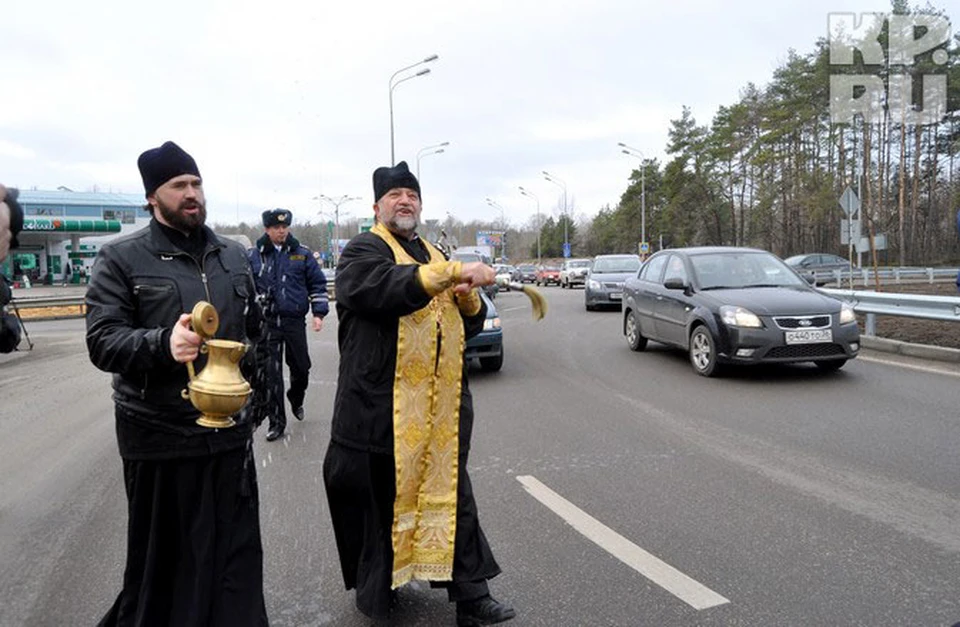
pixel 923 306
pixel 865 276
pixel 35 302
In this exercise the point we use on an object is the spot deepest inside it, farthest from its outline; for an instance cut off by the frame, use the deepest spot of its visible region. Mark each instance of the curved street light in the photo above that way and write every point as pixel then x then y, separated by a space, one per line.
pixel 336 202
pixel 566 218
pixel 636 152
pixel 393 85
pixel 527 192
pixel 423 152
pixel 503 225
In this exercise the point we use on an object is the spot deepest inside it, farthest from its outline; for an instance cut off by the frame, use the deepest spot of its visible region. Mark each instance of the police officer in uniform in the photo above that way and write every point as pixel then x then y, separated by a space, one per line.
pixel 290 283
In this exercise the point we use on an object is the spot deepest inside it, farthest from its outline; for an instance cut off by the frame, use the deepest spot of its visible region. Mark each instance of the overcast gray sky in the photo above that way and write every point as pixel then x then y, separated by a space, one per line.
pixel 282 101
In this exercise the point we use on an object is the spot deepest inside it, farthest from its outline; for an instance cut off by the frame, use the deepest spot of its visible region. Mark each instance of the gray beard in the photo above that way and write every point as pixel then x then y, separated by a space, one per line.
pixel 404 226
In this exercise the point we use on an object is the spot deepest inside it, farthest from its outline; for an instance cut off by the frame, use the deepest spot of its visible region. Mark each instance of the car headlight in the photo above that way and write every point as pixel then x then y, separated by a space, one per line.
pixel 594 285
pixel 739 317
pixel 491 323
pixel 847 314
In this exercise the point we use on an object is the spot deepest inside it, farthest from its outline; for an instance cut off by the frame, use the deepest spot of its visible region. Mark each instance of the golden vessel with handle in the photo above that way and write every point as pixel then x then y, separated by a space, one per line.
pixel 219 391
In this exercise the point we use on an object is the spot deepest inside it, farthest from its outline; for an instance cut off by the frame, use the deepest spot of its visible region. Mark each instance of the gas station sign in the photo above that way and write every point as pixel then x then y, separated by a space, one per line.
pixel 71 225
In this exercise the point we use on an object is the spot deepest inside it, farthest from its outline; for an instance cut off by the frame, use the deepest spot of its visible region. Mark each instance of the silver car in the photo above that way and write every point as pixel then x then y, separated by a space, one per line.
pixel 604 286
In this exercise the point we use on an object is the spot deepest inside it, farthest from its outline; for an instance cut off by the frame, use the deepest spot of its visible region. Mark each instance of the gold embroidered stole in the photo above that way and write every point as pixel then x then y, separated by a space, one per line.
pixel 426 421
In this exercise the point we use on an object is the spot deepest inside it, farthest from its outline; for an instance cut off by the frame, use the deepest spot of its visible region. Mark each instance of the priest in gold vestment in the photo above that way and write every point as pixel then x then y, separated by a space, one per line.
pixel 396 469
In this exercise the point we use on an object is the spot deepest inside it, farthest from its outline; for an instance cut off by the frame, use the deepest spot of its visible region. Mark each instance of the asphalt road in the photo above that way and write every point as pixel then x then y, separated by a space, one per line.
pixel 616 488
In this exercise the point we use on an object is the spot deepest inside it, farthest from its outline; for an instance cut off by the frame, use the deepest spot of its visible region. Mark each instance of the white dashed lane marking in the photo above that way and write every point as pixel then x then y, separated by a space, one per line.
pixel 691 592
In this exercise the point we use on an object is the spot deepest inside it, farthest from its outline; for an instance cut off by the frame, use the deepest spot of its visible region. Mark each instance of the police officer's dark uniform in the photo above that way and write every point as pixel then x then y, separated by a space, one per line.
pixel 292 283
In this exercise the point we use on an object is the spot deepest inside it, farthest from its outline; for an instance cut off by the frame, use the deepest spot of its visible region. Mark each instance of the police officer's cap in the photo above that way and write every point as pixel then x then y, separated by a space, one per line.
pixel 277 217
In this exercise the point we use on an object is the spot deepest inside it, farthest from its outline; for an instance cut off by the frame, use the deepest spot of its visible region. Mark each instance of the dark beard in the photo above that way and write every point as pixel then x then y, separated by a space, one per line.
pixel 181 221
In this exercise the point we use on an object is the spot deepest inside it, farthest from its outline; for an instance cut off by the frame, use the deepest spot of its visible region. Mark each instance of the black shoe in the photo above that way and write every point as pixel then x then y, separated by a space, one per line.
pixel 273 434
pixel 483 611
pixel 298 413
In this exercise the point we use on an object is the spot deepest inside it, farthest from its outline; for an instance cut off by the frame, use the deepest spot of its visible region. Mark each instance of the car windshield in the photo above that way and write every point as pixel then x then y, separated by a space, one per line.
pixel 732 270
pixel 578 264
pixel 616 264
pixel 796 259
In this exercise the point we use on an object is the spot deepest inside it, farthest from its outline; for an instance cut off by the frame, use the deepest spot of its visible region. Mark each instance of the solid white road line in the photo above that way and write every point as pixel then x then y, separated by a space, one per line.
pixel 933 369
pixel 659 572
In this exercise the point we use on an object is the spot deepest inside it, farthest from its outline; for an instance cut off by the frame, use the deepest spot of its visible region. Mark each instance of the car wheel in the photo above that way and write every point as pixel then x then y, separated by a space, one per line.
pixel 492 364
pixel 631 328
pixel 703 352
pixel 829 365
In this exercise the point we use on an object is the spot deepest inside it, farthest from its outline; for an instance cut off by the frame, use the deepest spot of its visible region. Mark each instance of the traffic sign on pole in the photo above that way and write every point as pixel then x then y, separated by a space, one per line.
pixel 849 202
pixel 849 231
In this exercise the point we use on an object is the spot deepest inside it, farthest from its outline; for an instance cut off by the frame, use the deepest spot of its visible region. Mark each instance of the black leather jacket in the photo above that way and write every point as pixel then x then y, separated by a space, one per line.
pixel 139 286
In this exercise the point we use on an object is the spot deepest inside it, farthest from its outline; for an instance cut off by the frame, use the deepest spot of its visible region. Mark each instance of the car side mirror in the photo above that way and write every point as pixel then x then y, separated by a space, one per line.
pixel 675 283
pixel 811 278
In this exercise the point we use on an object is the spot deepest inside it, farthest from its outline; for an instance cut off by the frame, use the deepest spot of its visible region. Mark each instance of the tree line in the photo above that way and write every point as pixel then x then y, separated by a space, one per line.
pixel 769 169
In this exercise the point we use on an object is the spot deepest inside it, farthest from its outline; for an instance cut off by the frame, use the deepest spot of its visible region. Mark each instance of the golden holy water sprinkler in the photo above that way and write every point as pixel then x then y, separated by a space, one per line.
pixel 219 391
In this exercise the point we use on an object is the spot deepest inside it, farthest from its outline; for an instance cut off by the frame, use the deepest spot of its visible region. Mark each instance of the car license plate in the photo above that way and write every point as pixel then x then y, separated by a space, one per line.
pixel 808 336
pixel 615 295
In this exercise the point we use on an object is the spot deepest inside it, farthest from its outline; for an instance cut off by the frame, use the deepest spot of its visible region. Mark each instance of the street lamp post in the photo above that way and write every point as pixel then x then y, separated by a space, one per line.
pixel 336 202
pixel 393 85
pixel 566 218
pixel 436 149
pixel 503 225
pixel 635 152
pixel 527 192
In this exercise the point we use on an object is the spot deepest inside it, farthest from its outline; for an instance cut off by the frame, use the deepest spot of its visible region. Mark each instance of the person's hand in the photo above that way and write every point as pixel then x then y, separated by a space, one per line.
pixel 474 274
pixel 317 323
pixel 5 235
pixel 184 343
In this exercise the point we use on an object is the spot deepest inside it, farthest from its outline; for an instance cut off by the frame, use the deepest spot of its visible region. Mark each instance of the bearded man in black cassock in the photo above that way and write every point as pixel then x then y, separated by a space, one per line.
pixel 194 556
pixel 396 468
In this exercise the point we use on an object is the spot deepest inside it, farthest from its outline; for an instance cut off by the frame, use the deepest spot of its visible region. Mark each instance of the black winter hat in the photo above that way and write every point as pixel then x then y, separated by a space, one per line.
pixel 277 217
pixel 385 179
pixel 159 165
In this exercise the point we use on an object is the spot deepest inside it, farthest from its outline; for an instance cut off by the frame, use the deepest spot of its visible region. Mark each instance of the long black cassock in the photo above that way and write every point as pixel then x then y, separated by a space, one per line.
pixel 373 293
pixel 194 555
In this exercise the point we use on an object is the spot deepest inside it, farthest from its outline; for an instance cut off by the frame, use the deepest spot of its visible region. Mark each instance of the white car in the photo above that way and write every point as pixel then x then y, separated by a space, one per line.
pixel 574 272
pixel 505 273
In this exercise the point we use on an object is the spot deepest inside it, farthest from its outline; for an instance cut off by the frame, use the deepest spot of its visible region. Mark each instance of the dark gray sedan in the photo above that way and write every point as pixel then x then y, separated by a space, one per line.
pixel 604 282
pixel 736 306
